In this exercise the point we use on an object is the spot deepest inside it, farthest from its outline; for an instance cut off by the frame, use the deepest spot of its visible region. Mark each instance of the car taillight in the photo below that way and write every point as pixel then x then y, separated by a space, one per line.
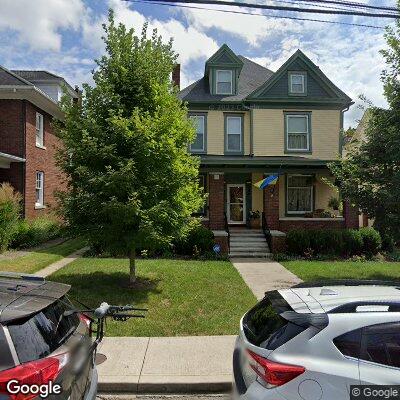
pixel 39 372
pixel 86 320
pixel 272 373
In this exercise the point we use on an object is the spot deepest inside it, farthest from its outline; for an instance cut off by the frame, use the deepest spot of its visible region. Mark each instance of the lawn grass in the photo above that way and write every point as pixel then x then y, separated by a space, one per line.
pixel 322 270
pixel 182 297
pixel 41 258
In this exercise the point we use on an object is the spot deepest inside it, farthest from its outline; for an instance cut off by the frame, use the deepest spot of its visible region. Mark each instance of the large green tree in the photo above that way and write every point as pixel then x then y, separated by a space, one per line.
pixel 132 183
pixel 369 175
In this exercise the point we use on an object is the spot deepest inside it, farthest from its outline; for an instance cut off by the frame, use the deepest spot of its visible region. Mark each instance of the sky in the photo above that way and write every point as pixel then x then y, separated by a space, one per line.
pixel 64 37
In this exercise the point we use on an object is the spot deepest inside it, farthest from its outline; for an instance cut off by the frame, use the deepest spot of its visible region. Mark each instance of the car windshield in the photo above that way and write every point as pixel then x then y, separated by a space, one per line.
pixel 41 334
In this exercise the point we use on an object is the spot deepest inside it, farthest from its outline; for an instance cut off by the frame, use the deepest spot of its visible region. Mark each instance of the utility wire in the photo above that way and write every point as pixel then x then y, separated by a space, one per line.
pixel 151 2
pixel 283 8
pixel 350 4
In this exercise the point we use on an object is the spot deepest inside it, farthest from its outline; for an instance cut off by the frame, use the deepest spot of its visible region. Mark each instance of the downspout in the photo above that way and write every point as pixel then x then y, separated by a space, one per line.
pixel 23 173
pixel 341 138
pixel 250 109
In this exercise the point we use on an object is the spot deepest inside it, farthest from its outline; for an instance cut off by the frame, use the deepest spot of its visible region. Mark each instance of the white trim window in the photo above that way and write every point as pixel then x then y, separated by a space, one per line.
pixel 39 189
pixel 223 81
pixel 199 144
pixel 297 84
pixel 234 134
pixel 39 130
pixel 298 132
pixel 299 194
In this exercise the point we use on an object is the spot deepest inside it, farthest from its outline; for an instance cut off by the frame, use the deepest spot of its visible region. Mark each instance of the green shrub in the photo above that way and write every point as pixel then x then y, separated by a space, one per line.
pixel 298 241
pixel 10 203
pixel 352 242
pixel 372 241
pixel 198 240
pixel 37 231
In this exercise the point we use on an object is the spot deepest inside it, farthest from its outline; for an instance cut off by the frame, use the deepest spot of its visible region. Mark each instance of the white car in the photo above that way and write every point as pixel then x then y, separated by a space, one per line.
pixel 314 341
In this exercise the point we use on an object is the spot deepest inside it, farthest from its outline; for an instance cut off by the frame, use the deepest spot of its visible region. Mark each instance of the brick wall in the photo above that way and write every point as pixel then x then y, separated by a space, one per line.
pixel 216 202
pixel 288 225
pixel 38 159
pixel 351 216
pixel 12 127
pixel 271 206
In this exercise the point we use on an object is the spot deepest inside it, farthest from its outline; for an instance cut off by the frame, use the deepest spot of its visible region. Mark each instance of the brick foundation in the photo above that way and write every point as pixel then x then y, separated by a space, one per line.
pixel 221 238
pixel 288 225
pixel 278 242
pixel 271 206
pixel 351 215
pixel 216 189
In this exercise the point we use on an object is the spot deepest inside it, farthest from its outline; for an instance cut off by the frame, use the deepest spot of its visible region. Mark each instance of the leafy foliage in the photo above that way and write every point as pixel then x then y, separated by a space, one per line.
pixel 10 206
pixel 132 183
pixel 198 240
pixel 35 232
pixel 343 242
pixel 370 174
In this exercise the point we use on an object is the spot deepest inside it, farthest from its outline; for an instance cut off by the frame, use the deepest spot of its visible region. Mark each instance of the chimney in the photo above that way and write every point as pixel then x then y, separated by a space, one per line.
pixel 176 75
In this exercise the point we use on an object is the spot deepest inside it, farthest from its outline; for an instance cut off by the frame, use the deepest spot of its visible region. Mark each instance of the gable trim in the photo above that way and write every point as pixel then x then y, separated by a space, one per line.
pixel 313 70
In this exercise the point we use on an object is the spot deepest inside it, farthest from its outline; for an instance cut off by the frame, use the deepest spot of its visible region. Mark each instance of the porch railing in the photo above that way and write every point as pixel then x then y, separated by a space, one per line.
pixel 265 229
pixel 227 230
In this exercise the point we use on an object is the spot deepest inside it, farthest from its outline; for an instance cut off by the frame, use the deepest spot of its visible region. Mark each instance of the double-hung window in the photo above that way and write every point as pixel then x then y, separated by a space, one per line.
pixel 298 132
pixel 39 189
pixel 199 144
pixel 233 129
pixel 224 81
pixel 39 130
pixel 299 194
pixel 297 83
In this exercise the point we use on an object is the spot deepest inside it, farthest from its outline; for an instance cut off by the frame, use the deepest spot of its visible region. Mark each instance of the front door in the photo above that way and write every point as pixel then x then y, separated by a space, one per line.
pixel 236 204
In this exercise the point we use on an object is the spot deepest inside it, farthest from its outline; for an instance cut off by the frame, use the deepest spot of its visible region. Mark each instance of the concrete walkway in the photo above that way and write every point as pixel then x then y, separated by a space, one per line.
pixel 262 275
pixel 166 364
pixel 50 269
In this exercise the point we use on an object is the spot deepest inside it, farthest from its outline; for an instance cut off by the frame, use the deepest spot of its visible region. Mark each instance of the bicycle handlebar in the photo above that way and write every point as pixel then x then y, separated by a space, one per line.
pixel 102 311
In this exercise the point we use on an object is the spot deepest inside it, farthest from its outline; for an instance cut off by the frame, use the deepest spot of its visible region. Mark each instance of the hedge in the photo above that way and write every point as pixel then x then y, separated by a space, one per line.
pixel 345 242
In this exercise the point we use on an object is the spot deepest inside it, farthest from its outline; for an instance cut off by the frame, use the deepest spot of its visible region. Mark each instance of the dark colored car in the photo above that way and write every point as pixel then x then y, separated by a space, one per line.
pixel 43 340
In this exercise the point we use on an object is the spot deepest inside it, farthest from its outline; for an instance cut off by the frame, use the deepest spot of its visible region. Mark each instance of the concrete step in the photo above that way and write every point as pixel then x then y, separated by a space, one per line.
pixel 248 241
pixel 246 231
pixel 251 235
pixel 250 249
pixel 248 254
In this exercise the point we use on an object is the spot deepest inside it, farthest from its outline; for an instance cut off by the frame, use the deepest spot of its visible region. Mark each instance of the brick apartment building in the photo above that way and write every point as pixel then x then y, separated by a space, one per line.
pixel 29 100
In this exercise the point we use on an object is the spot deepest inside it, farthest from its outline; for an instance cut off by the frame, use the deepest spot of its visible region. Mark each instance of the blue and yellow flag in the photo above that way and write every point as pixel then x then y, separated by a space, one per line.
pixel 269 180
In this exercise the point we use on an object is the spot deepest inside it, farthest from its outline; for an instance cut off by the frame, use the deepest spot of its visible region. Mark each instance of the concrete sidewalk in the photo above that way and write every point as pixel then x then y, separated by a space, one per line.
pixel 50 269
pixel 262 275
pixel 166 364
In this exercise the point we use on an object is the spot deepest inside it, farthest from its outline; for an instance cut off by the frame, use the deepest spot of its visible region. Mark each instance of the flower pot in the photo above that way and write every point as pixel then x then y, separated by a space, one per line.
pixel 255 223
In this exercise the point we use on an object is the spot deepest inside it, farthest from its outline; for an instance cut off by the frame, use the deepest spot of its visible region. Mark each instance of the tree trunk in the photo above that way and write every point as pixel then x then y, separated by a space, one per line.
pixel 132 266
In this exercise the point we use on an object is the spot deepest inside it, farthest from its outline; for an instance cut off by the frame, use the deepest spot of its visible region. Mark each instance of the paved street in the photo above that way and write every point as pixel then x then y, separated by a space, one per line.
pixel 163 397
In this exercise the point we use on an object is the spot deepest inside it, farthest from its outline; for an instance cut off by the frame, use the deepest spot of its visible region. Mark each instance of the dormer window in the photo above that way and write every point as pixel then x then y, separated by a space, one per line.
pixel 297 83
pixel 224 81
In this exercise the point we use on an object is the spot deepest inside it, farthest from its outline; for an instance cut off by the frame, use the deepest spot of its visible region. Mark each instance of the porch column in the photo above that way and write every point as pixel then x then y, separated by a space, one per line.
pixel 216 199
pixel 271 205
pixel 350 214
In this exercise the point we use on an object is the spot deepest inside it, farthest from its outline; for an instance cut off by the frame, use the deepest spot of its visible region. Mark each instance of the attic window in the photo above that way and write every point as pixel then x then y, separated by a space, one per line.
pixel 297 83
pixel 224 82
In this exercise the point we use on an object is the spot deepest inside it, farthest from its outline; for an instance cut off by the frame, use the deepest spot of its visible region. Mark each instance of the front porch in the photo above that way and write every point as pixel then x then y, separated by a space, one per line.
pixel 300 199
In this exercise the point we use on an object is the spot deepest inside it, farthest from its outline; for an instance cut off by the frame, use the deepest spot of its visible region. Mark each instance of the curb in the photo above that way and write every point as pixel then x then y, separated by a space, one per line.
pixel 158 387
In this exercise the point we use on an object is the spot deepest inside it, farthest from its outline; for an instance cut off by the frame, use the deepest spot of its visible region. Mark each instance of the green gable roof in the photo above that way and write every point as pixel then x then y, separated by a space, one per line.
pixel 320 88
pixel 223 57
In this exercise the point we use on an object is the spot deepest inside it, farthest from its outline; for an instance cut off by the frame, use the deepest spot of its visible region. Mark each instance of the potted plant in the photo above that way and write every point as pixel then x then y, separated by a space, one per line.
pixel 334 204
pixel 254 218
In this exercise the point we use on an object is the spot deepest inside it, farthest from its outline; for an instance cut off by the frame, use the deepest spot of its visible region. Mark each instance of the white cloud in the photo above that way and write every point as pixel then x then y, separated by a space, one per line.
pixel 38 23
pixel 189 43
pixel 251 28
